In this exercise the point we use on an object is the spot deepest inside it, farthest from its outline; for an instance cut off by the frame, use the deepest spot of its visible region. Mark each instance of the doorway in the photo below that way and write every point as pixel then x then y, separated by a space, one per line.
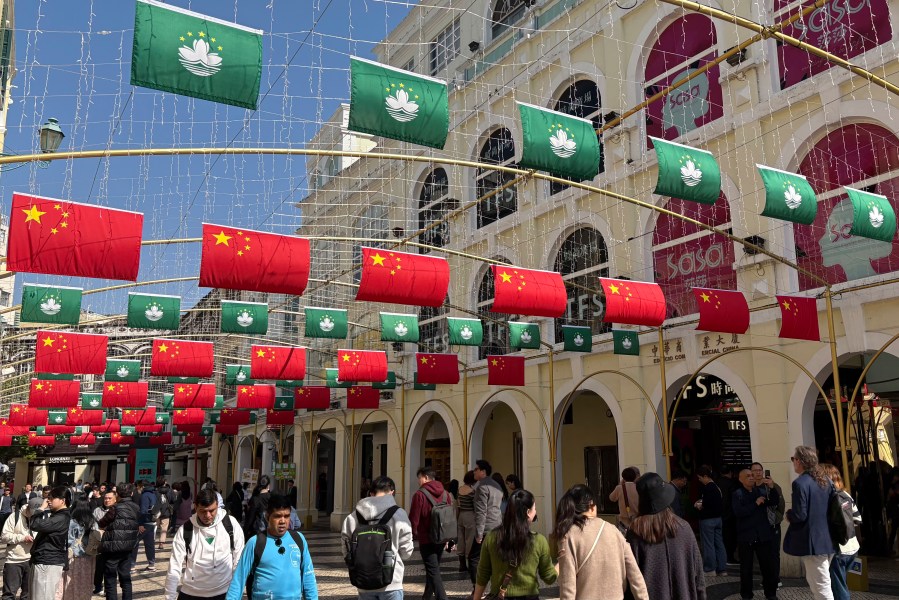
pixel 601 475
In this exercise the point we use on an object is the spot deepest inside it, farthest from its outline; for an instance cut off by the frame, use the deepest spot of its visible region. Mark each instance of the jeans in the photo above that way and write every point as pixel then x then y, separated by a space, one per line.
pixel 149 539
pixel 391 595
pixel 714 556
pixel 15 578
pixel 838 567
pixel 44 579
pixel 117 565
pixel 817 574
pixel 430 555
pixel 474 558
pixel 764 551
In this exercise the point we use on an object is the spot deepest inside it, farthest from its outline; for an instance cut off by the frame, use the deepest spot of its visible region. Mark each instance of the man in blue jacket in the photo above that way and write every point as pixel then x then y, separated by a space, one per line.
pixel 755 534
pixel 148 510
pixel 808 536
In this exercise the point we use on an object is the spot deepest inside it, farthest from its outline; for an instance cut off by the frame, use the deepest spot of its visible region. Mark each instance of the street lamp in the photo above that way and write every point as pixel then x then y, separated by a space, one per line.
pixel 51 136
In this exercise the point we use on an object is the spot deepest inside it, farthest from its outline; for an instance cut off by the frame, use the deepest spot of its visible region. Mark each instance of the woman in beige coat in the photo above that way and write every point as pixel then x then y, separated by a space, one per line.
pixel 594 559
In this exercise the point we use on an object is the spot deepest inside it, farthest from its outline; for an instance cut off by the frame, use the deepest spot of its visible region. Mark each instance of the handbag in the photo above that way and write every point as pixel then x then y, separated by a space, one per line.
pixel 507 579
pixel 627 507
pixel 93 542
pixel 592 548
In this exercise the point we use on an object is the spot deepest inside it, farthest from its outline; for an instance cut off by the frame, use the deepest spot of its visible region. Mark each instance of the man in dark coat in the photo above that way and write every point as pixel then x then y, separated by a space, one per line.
pixel 49 553
pixel 755 534
pixel 120 525
pixel 420 517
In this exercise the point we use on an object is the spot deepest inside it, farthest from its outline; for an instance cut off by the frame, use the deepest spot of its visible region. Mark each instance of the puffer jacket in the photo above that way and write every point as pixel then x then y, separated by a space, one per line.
pixel 51 544
pixel 119 527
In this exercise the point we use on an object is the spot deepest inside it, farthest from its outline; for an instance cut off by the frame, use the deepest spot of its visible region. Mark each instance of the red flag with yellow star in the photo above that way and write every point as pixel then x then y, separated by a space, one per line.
pixel 799 318
pixel 240 259
pixel 41 440
pixel 145 416
pixel 256 396
pixel 231 416
pixel 403 278
pixel 59 237
pixel 437 368
pixel 121 440
pixel 633 302
pixel 226 429
pixel 6 428
pixel 110 426
pixel 80 417
pixel 195 439
pixel 55 393
pixel 279 417
pixel 518 291
pixel 125 394
pixel 362 365
pixel 20 414
pixel 505 370
pixel 723 311
pixel 194 395
pixel 5 440
pixel 65 352
pixel 162 439
pixel 187 416
pixel 362 397
pixel 85 439
pixel 180 358
pixel 277 362
pixel 315 397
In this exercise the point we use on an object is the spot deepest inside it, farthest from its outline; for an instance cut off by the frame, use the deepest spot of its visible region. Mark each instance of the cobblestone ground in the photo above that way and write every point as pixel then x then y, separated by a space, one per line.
pixel 333 583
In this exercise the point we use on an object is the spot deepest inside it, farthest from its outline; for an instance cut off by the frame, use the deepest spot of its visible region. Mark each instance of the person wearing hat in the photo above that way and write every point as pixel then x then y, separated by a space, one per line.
pixel 664 545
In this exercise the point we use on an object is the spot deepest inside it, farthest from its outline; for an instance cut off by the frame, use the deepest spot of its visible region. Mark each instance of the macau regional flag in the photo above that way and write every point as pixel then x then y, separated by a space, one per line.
pixel 51 304
pixel 187 53
pixel 687 173
pixel 154 311
pixel 557 143
pixel 244 317
pixel 398 104
pixel 788 196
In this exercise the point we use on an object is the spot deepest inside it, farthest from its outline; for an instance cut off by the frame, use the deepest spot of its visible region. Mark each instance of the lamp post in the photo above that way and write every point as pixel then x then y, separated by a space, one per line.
pixel 51 136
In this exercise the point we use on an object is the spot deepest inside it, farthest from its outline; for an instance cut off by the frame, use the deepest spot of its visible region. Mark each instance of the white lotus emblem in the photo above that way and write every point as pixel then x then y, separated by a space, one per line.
pixel 241 376
pixel 400 329
pixel 94 403
pixel 50 306
pixel 326 324
pixel 792 198
pixel 466 333
pixel 401 107
pixel 122 372
pixel 159 419
pixel 244 319
pixel 57 420
pixel 690 174
pixel 282 404
pixel 875 216
pixel 199 60
pixel 154 313
pixel 578 340
pixel 525 337
pixel 626 343
pixel 562 145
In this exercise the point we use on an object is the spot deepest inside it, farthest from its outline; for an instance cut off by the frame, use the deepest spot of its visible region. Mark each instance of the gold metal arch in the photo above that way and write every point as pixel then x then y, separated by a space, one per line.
pixel 313 435
pixel 421 407
pixel 858 384
pixel 399 440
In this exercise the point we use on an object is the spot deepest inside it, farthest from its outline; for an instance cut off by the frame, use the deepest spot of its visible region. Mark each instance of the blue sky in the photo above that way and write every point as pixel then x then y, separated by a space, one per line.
pixel 73 61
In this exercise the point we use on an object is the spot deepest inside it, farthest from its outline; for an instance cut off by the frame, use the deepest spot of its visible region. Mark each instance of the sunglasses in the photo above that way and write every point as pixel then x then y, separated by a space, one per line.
pixel 281 548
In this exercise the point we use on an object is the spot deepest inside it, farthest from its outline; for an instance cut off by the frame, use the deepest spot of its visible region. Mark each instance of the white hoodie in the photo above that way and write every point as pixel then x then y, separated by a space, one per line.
pixel 207 571
pixel 373 508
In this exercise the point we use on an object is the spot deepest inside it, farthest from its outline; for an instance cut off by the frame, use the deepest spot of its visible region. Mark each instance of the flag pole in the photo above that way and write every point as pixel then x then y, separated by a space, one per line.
pixel 309 469
pixel 838 394
pixel 465 436
pixel 666 440
pixel 403 444
pixel 552 434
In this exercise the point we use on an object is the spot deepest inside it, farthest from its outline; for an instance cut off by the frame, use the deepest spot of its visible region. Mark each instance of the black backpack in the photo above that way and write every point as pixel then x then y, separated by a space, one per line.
pixel 367 558
pixel 839 518
pixel 189 533
pixel 261 541
pixel 443 519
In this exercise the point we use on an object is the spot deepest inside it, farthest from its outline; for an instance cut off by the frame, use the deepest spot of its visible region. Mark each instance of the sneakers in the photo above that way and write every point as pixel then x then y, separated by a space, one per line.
pixel 150 568
pixel 711 574
pixel 722 573
pixel 98 591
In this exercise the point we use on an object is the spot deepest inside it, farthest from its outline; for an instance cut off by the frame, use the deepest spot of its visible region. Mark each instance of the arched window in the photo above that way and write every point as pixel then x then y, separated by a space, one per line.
pixel 580 99
pixel 862 156
pixel 374 223
pixel 684 46
pixel 506 13
pixel 582 258
pixel 685 256
pixel 499 149
pixel 496 335
pixel 434 204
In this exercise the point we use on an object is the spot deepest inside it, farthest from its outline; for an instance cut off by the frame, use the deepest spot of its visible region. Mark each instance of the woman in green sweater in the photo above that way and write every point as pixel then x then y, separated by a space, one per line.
pixel 512 557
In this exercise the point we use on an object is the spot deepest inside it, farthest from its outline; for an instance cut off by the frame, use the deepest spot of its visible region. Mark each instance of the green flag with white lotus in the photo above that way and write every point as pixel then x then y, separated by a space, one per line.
pixel 557 143
pixel 577 338
pixel 154 311
pixel 51 304
pixel 57 417
pixel 283 403
pixel 207 430
pixel 118 369
pixel 219 401
pixel 244 317
pixel 524 335
pixel 873 216
pixel 332 381
pixel 215 417
pixel 398 104
pixel 397 327
pixel 326 323
pixel 687 173
pixel 387 384
pixel 788 196
pixel 91 400
pixel 163 418
pixel 425 387
pixel 168 401
pixel 128 430
pixel 183 52
pixel 465 332
pixel 625 342
pixel 237 375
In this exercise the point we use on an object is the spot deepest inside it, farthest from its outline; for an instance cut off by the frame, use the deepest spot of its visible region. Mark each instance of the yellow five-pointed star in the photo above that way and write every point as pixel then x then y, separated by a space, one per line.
pixel 346 358
pixel 377 259
pixel 33 214
pixel 181 390
pixel 111 388
pixel 704 296
pixel 495 362
pixel 48 341
pixel 786 305
pixel 506 277
pixel 163 348
pixel 39 386
pixel 424 360
pixel 260 353
pixel 614 288
pixel 221 238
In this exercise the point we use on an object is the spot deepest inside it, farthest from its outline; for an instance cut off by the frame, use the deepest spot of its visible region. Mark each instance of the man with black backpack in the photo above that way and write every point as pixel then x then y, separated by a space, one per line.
pixel 377 538
pixel 148 511
pixel 431 513
pixel 165 499
pixel 205 551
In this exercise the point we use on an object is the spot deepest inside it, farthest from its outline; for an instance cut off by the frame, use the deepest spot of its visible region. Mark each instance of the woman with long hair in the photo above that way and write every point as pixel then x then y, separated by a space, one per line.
pixel 183 505
pixel 847 552
pixel 594 559
pixel 512 556
pixel 465 525
pixel 498 478
pixel 664 545
pixel 77 582
pixel 234 502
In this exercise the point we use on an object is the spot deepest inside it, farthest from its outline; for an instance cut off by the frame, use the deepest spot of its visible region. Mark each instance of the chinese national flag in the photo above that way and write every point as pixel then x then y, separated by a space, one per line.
pixel 403 278
pixel 722 311
pixel 6 428
pixel 231 416
pixel 162 439
pixel 312 397
pixel 256 396
pixel 194 395
pixel 437 368
pixel 5 440
pixel 59 429
pixel 19 414
pixel 518 291
pixel 146 416
pixel 41 440
pixel 87 439
pixel 505 370
pixel 362 396
pixel 227 429
pixel 122 440
pixel 110 426
pixel 64 352
pixel 179 358
pixel 59 237
pixel 240 259
pixel 277 362
pixel 189 428
pixel 125 394
pixel 155 428
pixel 633 302
pixel 799 318
pixel 195 439
pixel 79 416
pixel 362 365
pixel 188 416
pixel 279 417
pixel 56 393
